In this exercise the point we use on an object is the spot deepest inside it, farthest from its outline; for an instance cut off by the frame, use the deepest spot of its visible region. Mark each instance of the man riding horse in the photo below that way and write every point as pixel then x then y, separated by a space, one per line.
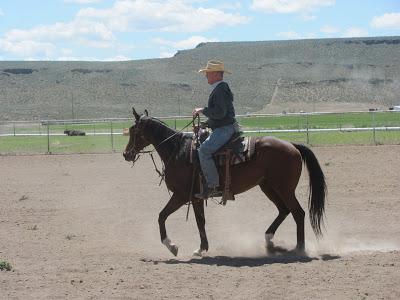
pixel 275 166
pixel 221 119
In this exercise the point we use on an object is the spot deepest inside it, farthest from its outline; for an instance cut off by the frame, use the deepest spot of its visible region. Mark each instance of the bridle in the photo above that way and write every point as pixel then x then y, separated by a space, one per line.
pixel 136 153
pixel 132 150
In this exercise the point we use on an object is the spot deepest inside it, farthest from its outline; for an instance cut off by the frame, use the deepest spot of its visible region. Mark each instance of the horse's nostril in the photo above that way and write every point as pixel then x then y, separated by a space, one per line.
pixel 128 156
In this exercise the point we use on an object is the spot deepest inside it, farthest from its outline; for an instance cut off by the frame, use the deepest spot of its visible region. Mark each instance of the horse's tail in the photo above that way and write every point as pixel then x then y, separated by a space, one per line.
pixel 318 189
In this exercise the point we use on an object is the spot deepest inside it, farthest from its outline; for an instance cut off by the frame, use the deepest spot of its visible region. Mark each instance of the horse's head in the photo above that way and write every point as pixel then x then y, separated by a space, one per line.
pixel 137 140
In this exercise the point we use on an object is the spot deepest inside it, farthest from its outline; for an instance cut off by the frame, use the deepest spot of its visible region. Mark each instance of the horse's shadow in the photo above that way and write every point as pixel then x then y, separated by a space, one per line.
pixel 278 256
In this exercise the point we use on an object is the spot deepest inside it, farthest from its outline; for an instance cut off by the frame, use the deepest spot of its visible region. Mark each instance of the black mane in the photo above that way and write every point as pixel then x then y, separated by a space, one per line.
pixel 178 143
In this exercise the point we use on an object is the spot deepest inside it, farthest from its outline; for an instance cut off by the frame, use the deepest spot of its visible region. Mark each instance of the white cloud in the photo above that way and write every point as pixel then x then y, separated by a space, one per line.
pixel 289 6
pixel 99 44
pixel 166 54
pixel 188 43
pixel 62 31
pixel 231 5
pixel 193 42
pixel 288 35
pixel 307 17
pixel 66 52
pixel 74 58
pixel 293 35
pixel 389 20
pixel 96 28
pixel 329 29
pixel 40 40
pixel 118 58
pixel 28 48
pixel 174 46
pixel 169 15
pixel 355 32
pixel 82 1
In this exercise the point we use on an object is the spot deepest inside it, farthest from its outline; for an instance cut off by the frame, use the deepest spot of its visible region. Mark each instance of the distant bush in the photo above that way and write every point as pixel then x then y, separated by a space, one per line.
pixel 19 71
pixel 5 266
pixel 183 86
pixel 128 84
pixel 87 71
pixel 376 81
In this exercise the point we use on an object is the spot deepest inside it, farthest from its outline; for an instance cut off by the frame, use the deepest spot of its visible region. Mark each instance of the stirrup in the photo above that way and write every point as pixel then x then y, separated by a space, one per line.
pixel 209 193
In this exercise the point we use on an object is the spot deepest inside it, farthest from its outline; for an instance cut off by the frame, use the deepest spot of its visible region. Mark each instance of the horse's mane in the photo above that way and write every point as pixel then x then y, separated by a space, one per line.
pixel 179 142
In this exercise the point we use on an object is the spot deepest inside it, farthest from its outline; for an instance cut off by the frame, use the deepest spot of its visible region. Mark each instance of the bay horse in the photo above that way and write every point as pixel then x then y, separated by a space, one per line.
pixel 276 167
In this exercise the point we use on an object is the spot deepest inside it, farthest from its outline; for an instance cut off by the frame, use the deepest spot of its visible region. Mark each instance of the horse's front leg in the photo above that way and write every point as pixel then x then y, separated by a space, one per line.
pixel 173 205
pixel 198 207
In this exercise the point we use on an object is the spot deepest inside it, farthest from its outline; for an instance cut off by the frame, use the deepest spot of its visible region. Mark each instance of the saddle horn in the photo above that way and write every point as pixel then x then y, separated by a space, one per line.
pixel 146 112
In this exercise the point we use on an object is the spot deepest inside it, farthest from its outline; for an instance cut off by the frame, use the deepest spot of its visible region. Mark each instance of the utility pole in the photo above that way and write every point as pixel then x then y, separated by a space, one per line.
pixel 179 105
pixel 72 105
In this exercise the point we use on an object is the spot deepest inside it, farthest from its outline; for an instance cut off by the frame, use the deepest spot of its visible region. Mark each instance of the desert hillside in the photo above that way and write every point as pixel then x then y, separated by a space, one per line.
pixel 274 76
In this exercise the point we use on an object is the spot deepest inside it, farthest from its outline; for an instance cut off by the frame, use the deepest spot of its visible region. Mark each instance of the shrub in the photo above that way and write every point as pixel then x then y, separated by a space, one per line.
pixel 5 266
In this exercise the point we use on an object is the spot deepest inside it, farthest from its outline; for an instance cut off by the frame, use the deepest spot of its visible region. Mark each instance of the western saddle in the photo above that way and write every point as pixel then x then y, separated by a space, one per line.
pixel 237 150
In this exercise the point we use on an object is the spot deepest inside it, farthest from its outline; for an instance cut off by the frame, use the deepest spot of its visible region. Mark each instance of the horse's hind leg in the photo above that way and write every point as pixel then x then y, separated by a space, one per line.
pixel 298 215
pixel 286 201
pixel 282 209
pixel 198 207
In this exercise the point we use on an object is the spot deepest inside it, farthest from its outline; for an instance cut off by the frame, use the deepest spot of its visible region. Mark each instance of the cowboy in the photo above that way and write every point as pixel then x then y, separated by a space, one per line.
pixel 221 119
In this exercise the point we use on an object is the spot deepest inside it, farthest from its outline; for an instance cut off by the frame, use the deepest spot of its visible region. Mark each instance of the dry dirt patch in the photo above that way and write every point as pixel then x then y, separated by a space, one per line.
pixel 85 226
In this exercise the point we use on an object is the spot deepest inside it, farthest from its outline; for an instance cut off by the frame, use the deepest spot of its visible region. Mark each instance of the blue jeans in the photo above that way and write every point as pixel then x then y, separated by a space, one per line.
pixel 216 140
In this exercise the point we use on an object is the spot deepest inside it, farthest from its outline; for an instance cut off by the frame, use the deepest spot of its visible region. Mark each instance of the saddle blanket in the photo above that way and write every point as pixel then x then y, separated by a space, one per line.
pixel 242 149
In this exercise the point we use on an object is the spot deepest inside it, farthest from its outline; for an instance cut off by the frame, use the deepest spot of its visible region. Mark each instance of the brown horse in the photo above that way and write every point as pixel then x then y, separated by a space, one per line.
pixel 275 167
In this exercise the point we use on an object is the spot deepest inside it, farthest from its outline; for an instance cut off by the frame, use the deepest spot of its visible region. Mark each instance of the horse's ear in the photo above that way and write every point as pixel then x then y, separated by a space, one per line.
pixel 135 114
pixel 146 112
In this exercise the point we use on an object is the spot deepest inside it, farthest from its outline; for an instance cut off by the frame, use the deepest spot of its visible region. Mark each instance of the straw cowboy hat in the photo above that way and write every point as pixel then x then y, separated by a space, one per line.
pixel 214 66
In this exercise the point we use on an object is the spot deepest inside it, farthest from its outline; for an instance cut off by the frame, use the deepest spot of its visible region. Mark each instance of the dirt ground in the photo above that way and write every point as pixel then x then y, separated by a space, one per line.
pixel 85 227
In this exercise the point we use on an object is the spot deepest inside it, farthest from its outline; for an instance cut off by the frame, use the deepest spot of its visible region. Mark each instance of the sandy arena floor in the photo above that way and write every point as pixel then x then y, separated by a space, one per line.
pixel 85 227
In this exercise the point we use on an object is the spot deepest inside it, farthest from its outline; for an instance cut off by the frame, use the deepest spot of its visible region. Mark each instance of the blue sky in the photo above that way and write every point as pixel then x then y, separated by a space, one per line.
pixel 112 30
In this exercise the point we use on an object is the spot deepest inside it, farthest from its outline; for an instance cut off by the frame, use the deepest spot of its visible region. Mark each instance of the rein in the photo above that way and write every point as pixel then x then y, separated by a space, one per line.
pixel 180 131
pixel 162 174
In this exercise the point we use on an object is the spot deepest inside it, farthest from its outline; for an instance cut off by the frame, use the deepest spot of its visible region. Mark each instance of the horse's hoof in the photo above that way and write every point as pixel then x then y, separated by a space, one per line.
pixel 300 250
pixel 269 244
pixel 171 247
pixel 198 253
pixel 174 249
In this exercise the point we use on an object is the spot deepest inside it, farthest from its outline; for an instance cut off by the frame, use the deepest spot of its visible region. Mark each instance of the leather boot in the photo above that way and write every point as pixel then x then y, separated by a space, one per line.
pixel 209 192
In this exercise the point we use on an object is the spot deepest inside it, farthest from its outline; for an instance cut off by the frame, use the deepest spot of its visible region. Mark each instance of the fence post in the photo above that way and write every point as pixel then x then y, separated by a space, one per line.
pixel 48 138
pixel 112 137
pixel 308 138
pixel 373 127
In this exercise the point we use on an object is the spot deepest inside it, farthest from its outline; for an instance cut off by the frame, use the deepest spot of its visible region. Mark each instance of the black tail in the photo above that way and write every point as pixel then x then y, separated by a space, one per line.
pixel 318 189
